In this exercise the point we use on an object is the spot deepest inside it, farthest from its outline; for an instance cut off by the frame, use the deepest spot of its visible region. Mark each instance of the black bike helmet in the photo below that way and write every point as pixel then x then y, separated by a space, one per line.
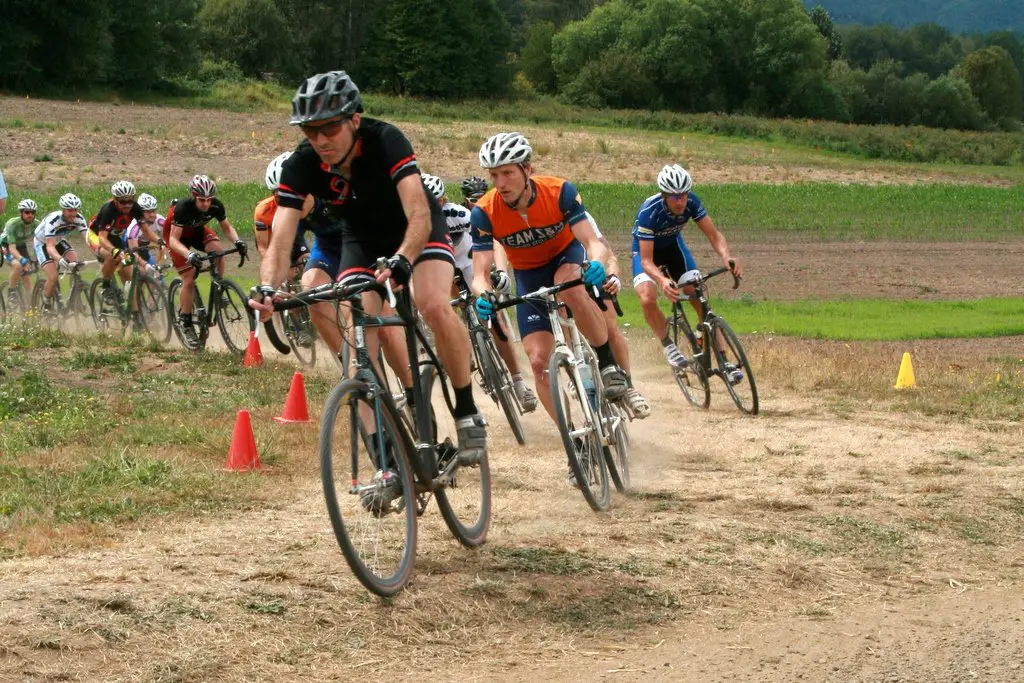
pixel 474 187
pixel 325 96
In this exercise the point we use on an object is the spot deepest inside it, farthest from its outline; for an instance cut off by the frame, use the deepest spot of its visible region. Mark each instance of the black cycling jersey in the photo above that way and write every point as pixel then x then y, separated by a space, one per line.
pixel 186 214
pixel 109 218
pixel 368 202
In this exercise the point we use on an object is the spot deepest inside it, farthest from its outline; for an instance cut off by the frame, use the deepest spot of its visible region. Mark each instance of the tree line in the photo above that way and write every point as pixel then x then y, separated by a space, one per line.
pixel 761 57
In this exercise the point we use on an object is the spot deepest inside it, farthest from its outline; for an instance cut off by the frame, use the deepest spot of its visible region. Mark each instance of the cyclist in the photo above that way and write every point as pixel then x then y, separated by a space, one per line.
pixel 107 233
pixel 457 218
pixel 50 244
pixel 634 400
pixel 541 223
pixel 263 218
pixel 137 237
pixel 15 236
pixel 658 241
pixel 365 173
pixel 185 229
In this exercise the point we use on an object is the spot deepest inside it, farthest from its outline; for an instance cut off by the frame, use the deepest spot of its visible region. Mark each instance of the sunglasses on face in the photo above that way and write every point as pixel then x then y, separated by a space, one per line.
pixel 675 197
pixel 329 129
pixel 30 211
pixel 125 202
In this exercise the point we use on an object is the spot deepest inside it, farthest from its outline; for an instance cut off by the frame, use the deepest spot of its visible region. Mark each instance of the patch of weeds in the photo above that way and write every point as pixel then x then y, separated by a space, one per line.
pixel 47 125
pixel 121 361
pixel 536 560
pixel 791 449
pixel 41 158
pixel 776 505
pixel 12 123
pixel 265 606
pixel 806 546
pixel 486 588
pixel 636 568
pixel 27 335
pixel 935 469
pixel 864 536
pixel 620 608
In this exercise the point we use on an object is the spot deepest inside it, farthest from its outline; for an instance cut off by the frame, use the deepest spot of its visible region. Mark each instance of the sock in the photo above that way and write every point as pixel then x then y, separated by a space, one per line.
pixel 517 378
pixel 106 284
pixel 464 405
pixel 604 355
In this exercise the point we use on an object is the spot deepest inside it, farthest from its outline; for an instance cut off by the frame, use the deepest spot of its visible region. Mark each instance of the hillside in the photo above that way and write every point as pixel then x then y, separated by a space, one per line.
pixel 959 16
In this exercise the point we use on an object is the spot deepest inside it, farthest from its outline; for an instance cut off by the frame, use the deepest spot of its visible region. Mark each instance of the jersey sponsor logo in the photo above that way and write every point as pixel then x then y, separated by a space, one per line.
pixel 531 237
pixel 340 186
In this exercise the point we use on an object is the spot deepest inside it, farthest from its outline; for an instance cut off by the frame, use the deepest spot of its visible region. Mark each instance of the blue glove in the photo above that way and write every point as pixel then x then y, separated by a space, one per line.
pixel 484 308
pixel 23 261
pixel 594 276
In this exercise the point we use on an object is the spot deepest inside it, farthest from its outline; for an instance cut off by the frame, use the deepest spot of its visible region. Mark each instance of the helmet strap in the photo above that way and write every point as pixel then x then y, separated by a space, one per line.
pixel 515 202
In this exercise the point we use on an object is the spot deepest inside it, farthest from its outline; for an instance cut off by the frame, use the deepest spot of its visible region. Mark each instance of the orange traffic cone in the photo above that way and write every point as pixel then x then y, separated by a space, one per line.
pixel 295 409
pixel 242 455
pixel 253 354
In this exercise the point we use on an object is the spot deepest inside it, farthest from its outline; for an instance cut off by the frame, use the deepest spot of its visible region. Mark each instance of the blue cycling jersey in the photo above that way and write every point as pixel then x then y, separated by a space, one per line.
pixel 654 222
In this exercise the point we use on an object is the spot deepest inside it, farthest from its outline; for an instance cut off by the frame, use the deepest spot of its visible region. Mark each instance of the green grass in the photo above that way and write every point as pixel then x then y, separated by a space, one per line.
pixel 743 211
pixel 863 319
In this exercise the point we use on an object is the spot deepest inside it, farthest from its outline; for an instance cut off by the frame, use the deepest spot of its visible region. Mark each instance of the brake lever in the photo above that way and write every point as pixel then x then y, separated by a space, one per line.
pixel 382 265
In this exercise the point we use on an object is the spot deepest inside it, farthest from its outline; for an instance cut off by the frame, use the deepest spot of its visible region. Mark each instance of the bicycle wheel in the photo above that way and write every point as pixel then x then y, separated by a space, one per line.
pixel 692 378
pixel 107 317
pixel 497 381
pixel 465 502
pixel 51 316
pixel 151 308
pixel 616 453
pixel 3 304
pixel 234 317
pixel 79 304
pixel 371 497
pixel 300 333
pixel 733 367
pixel 579 436
pixel 174 310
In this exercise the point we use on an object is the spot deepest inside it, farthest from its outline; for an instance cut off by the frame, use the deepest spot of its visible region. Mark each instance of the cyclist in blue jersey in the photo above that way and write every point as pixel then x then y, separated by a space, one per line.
pixel 658 241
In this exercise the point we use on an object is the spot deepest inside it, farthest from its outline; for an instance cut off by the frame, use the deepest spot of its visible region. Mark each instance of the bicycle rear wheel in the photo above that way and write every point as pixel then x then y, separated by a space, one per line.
pixel 107 317
pixel 579 435
pixel 692 378
pixel 465 502
pixel 152 310
pixel 293 324
pixel 368 488
pixel 733 367
pixel 234 317
pixel 79 304
pixel 497 381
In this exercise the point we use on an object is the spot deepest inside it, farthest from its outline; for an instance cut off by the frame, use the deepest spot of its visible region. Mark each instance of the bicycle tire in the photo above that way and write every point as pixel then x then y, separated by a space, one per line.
pixel 107 321
pixel 152 310
pixel 174 310
pixel 498 382
pixel 54 317
pixel 692 379
pixel 449 501
pixel 591 471
pixel 739 360
pixel 306 355
pixel 616 455
pixel 79 303
pixel 3 305
pixel 345 400
pixel 275 339
pixel 232 310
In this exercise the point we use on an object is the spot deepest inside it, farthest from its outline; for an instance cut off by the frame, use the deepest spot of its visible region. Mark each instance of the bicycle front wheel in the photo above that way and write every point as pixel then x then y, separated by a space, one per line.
pixel 106 315
pixel 152 310
pixel 733 367
pixel 579 434
pixel 465 501
pixel 79 303
pixel 691 378
pixel 616 453
pixel 234 317
pixel 298 329
pixel 497 381
pixel 368 487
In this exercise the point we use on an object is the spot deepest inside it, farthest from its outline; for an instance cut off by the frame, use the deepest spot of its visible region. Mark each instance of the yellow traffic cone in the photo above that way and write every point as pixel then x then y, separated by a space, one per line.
pixel 905 380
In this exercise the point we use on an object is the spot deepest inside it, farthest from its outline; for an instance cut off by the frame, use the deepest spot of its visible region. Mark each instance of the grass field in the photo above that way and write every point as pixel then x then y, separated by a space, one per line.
pixel 862 319
pixel 748 211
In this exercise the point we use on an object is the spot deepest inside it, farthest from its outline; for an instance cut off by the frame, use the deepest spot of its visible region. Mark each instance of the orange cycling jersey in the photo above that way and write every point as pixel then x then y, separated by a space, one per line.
pixel 264 216
pixel 534 239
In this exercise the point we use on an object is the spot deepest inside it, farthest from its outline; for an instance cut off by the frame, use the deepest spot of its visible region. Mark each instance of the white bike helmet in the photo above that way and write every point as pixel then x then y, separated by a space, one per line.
pixel 122 188
pixel 505 148
pixel 147 202
pixel 69 201
pixel 27 205
pixel 673 179
pixel 434 185
pixel 273 176
pixel 202 186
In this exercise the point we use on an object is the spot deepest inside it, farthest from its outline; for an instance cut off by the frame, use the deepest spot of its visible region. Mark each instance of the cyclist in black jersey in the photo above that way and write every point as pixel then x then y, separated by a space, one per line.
pixel 365 172
pixel 109 226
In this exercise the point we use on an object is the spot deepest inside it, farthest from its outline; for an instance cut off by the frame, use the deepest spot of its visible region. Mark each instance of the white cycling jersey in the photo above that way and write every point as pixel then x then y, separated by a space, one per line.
pixel 134 231
pixel 593 224
pixel 54 226
pixel 457 218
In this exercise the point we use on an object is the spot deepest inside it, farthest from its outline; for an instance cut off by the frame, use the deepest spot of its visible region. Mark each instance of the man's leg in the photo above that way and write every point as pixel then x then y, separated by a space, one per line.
pixel 431 281
pixel 634 400
pixel 50 271
pixel 538 347
pixel 526 396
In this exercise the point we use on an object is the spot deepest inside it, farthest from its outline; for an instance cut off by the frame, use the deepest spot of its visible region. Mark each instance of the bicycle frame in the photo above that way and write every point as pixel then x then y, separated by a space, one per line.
pixel 702 353
pixel 212 301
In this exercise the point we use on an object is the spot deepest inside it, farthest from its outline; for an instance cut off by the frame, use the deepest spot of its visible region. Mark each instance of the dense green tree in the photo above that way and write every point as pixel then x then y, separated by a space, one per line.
pixel 949 103
pixel 833 39
pixel 994 80
pixel 251 33
pixel 535 59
